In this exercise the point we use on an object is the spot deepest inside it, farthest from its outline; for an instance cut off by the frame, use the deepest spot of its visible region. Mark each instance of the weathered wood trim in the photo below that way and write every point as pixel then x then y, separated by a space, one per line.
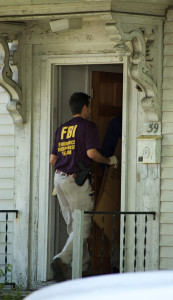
pixel 57 10
pixel 22 188
pixel 124 157
pixel 137 40
pixel 44 194
pixel 34 74
pixel 43 197
pixel 35 8
pixel 140 8
pixel 6 81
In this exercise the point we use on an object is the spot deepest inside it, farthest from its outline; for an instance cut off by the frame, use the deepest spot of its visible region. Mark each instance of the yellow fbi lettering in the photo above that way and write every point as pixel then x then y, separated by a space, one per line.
pixel 68 132
pixel 70 147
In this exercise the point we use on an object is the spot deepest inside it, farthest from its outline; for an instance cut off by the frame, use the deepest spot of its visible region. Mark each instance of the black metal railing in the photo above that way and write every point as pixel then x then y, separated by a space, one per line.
pixel 5 261
pixel 107 256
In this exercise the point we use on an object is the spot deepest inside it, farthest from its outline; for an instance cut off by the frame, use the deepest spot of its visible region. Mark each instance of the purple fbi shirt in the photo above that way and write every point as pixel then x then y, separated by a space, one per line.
pixel 71 142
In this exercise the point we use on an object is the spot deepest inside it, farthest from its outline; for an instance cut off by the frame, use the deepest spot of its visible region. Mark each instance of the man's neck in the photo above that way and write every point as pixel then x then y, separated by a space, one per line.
pixel 79 115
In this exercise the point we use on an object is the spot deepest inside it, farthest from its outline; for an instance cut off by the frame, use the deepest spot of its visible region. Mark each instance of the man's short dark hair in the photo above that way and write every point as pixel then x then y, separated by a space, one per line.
pixel 77 101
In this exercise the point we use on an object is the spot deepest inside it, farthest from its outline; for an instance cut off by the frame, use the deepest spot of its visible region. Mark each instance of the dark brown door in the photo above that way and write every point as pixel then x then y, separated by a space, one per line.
pixel 106 104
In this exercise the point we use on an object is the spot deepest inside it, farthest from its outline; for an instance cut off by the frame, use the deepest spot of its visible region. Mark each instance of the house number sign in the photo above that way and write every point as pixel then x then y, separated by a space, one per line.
pixel 152 128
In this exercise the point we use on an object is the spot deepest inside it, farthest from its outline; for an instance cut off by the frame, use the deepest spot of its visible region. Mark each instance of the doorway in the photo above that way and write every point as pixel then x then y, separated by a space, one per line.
pixel 106 104
pixel 104 83
pixel 107 90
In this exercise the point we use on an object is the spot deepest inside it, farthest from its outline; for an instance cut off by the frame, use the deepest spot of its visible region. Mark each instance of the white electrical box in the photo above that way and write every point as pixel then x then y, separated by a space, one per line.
pixel 149 149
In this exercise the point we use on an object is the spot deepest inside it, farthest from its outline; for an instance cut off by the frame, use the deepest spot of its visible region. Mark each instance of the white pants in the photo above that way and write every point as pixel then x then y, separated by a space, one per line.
pixel 70 197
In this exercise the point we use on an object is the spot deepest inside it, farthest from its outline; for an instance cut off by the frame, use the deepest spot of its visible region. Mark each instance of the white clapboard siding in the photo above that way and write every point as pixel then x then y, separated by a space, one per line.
pixel 166 218
pixel 166 229
pixel 167 128
pixel 166 173
pixel 7 156
pixel 166 240
pixel 167 150
pixel 6 129
pixel 166 196
pixel 6 204
pixel 3 96
pixel 167 139
pixel 7 173
pixel 168 38
pixel 3 109
pixel 6 180
pixel 167 94
pixel 166 252
pixel 6 140
pixel 167 185
pixel 6 183
pixel 166 206
pixel 167 116
pixel 10 236
pixel 6 162
pixel 10 224
pixel 166 263
pixel 168 49
pixel 167 106
pixel 167 162
pixel 6 194
pixel 5 119
pixel 168 72
pixel 168 61
pixel 7 151
pixel 168 27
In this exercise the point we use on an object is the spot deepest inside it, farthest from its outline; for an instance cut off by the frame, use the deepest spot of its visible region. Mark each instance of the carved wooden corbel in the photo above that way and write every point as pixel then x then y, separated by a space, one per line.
pixel 138 44
pixel 8 83
pixel 139 70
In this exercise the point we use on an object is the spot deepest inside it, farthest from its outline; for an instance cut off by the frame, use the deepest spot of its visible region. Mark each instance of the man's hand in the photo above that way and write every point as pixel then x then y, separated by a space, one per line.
pixel 113 161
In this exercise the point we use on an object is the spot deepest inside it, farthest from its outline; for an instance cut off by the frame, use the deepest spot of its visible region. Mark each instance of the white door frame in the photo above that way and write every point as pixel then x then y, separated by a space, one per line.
pixel 47 111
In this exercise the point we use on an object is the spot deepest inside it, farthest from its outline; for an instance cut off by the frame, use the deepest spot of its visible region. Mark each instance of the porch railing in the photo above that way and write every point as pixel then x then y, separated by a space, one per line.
pixel 135 238
pixel 6 237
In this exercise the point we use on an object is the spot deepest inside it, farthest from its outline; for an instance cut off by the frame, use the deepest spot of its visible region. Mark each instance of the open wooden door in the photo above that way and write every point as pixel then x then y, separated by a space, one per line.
pixel 106 104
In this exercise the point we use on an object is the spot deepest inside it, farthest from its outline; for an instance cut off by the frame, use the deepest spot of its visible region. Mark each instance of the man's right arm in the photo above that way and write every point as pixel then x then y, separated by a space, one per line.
pixel 95 155
pixel 53 159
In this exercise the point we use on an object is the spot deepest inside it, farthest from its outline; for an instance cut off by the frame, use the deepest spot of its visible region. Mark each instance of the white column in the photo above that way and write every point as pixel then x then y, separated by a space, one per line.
pixel 78 243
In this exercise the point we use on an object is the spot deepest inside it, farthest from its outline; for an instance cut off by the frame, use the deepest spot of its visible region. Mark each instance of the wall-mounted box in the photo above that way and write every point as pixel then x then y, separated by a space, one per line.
pixel 149 149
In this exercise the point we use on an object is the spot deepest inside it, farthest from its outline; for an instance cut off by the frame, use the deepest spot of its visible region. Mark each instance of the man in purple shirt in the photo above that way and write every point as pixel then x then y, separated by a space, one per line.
pixel 76 140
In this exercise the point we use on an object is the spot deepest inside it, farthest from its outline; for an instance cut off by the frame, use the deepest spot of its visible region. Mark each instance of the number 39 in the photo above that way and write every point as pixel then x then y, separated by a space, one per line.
pixel 153 127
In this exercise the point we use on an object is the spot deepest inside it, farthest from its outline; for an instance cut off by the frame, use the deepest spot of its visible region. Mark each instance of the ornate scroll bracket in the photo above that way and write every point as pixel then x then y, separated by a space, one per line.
pixel 137 43
pixel 8 83
pixel 139 70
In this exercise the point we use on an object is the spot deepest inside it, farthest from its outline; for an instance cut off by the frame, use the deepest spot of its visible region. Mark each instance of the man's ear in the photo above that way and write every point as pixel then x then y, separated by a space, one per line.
pixel 84 108
pixel 84 111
